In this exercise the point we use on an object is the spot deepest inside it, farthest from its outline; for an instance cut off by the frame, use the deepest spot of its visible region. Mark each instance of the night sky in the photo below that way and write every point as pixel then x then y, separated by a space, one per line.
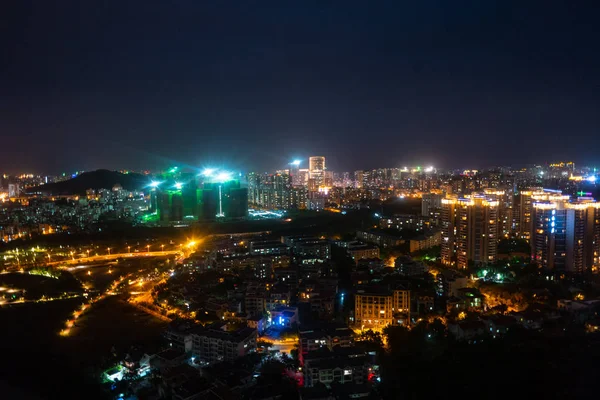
pixel 251 85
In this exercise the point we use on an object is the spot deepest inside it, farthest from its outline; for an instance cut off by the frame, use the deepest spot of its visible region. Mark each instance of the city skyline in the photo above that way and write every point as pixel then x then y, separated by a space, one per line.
pixel 299 200
pixel 128 87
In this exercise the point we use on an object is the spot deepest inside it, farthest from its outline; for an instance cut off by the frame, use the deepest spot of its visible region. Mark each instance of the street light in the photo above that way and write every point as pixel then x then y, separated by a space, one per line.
pixel 162 247
pixel 108 251
pixel 88 253
pixel 148 248
pixel 129 249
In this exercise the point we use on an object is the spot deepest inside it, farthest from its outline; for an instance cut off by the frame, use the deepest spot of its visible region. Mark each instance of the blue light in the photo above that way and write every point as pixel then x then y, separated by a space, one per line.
pixel 296 163
pixel 178 185
pixel 591 179
pixel 154 184
pixel 552 231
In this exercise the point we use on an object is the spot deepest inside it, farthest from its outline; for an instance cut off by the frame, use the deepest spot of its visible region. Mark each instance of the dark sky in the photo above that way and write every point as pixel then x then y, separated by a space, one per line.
pixel 252 85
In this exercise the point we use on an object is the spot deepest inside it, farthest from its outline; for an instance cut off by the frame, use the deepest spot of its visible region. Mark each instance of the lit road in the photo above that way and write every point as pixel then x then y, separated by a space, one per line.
pixel 108 257
pixel 284 346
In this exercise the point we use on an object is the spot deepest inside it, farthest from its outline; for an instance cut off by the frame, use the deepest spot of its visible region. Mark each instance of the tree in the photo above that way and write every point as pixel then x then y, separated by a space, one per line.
pixel 272 372
pixel 264 344
pixel 371 340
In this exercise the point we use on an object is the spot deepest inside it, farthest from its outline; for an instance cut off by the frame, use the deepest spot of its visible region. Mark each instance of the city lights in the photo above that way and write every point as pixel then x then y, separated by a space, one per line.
pixel 223 177
pixel 208 172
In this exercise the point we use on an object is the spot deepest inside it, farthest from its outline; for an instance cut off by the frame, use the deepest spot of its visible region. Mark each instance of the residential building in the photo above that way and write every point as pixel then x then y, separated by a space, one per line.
pixel 431 204
pixel 450 282
pixel 382 239
pixel 469 231
pixel 342 365
pixel 214 345
pixel 316 170
pixel 566 235
pixel 358 251
pixel 377 308
pixel 426 241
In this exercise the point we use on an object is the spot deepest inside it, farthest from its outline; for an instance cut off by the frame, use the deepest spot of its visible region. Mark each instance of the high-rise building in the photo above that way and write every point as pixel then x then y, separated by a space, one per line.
pixel 431 204
pixel 566 235
pixel 14 190
pixel 448 246
pixel 169 205
pixel 359 179
pixel 275 191
pixel 224 200
pixel 524 222
pixel 505 200
pixel 316 170
pixel 296 177
pixel 470 231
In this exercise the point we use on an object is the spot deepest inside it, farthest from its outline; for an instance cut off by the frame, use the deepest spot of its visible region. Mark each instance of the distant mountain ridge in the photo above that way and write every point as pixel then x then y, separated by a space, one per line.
pixel 99 179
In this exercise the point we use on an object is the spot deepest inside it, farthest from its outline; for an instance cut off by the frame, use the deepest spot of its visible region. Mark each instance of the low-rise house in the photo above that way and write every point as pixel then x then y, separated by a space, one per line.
pixel 283 316
pixel 498 325
pixel 467 330
pixel 325 335
pixel 529 319
pixel 341 365
pixel 214 345
pixel 169 358
pixel 258 322
pixel 426 241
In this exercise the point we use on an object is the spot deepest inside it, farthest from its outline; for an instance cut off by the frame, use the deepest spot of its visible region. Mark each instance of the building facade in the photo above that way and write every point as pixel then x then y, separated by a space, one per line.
pixel 566 235
pixel 378 309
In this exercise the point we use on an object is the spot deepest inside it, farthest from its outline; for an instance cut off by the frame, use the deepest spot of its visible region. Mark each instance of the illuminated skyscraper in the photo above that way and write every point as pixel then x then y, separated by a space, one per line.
pixel 524 222
pixel 316 170
pixel 431 204
pixel 469 231
pixel 296 177
pixel 448 230
pixel 505 200
pixel 566 235
pixel 275 191
pixel 14 190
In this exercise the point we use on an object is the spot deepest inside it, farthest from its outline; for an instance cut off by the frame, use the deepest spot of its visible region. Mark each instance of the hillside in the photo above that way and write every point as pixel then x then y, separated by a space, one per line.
pixel 99 179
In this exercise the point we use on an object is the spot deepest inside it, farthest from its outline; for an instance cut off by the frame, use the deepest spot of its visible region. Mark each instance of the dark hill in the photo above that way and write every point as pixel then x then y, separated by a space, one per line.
pixel 99 179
